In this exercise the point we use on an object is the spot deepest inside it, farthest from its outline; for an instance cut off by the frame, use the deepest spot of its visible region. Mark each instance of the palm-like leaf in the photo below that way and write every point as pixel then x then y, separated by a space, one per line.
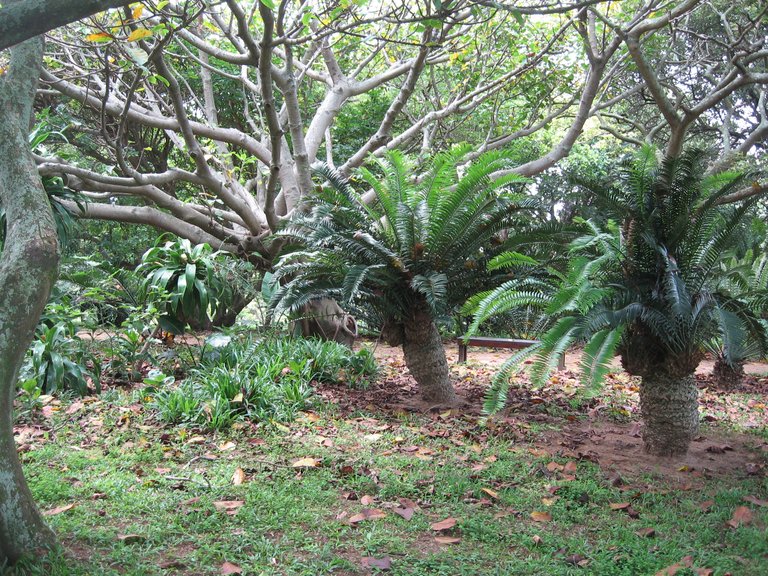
pixel 652 290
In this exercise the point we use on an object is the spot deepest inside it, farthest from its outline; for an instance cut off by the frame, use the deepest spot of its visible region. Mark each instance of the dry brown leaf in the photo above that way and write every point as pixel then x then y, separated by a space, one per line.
pixel 550 501
pixel 230 507
pixel 554 467
pixel 570 467
pixel 619 505
pixel 541 516
pixel 741 516
pixel 367 514
pixel 384 563
pixel 704 571
pixel 406 513
pixel 447 539
pixel 686 562
pixel 366 500
pixel 229 568
pixel 238 477
pixel 646 532
pixel 58 510
pixel 756 501
pixel 536 539
pixel 706 505
pixel 446 524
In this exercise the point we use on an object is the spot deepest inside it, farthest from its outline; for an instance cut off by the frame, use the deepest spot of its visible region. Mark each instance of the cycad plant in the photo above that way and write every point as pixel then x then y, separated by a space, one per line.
pixel 411 256
pixel 746 278
pixel 649 290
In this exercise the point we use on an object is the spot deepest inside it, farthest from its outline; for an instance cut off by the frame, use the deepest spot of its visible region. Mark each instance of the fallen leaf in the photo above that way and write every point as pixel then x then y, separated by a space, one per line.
pixel 550 501
pixel 230 507
pixel 686 562
pixel 238 477
pixel 367 514
pixel 406 513
pixel 492 493
pixel 576 560
pixel 58 510
pixel 704 571
pixel 447 539
pixel 554 467
pixel 536 539
pixel 229 568
pixel 742 515
pixel 446 524
pixel 384 563
pixel 306 463
pixel 646 532
pixel 756 501
pixel 570 467
pixel 227 446
pixel 366 500
pixel 619 506
pixel 541 516
pixel 706 505
pixel 131 538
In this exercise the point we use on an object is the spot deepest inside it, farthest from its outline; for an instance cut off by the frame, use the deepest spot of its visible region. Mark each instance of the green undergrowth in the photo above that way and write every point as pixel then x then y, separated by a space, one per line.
pixel 256 379
pixel 287 499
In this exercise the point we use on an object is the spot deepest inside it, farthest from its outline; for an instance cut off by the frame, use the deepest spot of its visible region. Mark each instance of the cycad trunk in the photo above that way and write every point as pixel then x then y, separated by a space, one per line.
pixel 727 376
pixel 425 358
pixel 27 272
pixel 669 406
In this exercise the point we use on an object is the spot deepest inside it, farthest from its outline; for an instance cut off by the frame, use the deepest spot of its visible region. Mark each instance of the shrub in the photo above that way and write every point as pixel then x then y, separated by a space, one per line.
pixel 259 379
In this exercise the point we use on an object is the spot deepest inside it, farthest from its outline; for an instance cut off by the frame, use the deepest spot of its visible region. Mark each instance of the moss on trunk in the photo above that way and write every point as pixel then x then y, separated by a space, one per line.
pixel 27 272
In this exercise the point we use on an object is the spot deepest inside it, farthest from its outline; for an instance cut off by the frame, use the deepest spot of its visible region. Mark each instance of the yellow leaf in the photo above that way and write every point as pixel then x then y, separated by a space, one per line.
pixel 306 463
pixel 138 34
pixel 238 477
pixel 137 12
pixel 98 37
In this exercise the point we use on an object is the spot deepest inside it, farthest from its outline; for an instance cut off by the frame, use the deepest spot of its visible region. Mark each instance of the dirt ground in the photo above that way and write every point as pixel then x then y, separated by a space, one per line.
pixel 593 433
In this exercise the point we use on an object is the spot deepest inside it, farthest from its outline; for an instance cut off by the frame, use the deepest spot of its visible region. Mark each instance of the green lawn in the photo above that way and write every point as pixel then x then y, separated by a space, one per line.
pixel 153 499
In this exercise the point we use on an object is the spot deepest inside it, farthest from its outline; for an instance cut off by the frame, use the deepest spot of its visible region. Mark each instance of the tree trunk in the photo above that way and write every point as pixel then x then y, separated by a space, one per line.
pixel 425 358
pixel 670 410
pixel 27 273
pixel 727 376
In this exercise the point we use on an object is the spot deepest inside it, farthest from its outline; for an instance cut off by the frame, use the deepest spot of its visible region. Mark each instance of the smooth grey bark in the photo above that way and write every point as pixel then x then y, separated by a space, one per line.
pixel 20 21
pixel 425 358
pixel 670 410
pixel 28 268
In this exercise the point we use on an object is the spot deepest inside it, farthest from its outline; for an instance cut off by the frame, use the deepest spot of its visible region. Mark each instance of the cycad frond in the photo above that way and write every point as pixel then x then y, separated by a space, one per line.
pixel 597 355
pixel 496 395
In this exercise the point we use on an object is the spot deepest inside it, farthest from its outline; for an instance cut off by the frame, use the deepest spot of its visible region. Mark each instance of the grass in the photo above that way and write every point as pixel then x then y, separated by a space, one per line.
pixel 126 474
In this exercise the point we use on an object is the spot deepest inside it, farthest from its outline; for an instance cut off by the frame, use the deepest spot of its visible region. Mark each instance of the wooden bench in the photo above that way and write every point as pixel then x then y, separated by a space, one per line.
pixel 508 343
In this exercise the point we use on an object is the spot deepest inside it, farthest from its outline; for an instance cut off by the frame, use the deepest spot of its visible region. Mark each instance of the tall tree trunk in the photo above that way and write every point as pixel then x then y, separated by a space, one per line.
pixel 670 410
pixel 727 376
pixel 27 272
pixel 425 358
